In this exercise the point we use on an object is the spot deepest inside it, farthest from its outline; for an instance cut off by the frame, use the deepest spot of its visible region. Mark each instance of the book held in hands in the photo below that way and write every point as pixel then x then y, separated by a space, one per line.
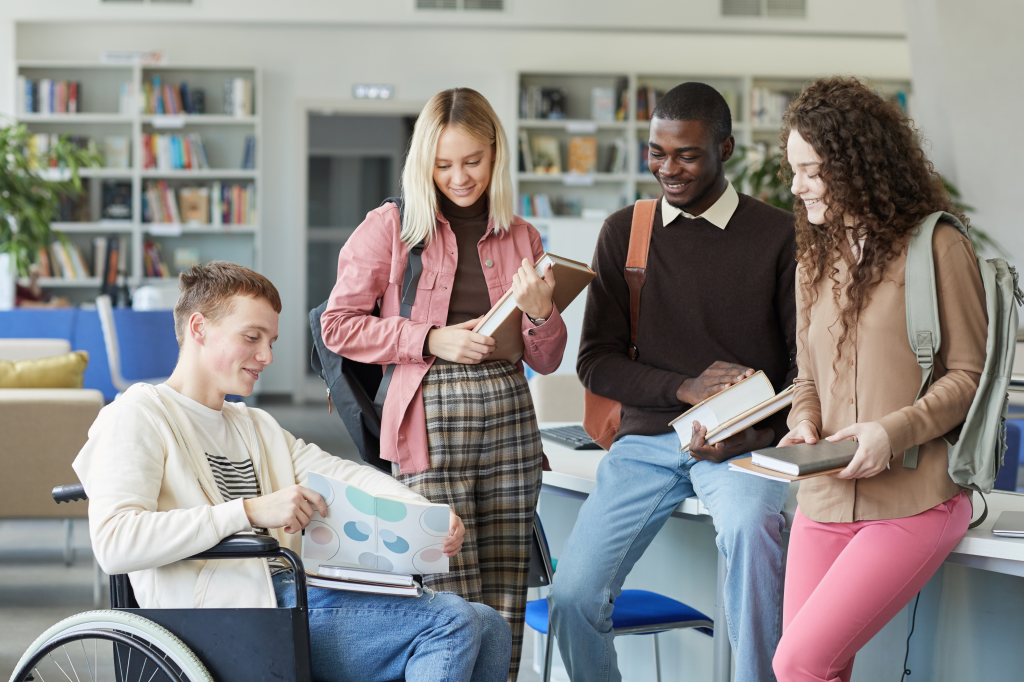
pixel 797 462
pixel 728 412
pixel 374 540
pixel 503 322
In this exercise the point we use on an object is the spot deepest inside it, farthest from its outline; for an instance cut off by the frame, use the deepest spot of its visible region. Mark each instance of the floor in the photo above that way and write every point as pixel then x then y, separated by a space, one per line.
pixel 38 590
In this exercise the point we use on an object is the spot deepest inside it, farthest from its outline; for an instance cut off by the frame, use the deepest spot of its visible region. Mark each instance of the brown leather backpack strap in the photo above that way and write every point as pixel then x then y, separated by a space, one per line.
pixel 636 264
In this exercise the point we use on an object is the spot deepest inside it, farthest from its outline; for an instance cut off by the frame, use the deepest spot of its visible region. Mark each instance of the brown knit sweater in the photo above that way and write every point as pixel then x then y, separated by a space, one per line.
pixel 711 294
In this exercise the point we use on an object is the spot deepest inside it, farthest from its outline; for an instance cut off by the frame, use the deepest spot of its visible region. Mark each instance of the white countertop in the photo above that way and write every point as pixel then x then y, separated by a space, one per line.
pixel 575 471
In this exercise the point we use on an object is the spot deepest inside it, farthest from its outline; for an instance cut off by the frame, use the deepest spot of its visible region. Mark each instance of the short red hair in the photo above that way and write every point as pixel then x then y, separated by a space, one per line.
pixel 208 289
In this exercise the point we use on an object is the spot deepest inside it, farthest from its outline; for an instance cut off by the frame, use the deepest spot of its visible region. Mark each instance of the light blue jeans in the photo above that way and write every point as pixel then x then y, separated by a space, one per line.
pixel 639 483
pixel 438 637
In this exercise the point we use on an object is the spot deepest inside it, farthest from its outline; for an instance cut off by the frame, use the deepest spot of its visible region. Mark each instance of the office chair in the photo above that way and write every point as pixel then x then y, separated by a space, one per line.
pixel 636 612
pixel 106 314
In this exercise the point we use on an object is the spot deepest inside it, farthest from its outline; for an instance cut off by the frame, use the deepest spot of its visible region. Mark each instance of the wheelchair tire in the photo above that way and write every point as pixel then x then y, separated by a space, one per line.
pixel 146 633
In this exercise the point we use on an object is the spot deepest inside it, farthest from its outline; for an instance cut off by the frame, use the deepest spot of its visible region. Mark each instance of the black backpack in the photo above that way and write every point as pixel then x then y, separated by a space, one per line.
pixel 356 389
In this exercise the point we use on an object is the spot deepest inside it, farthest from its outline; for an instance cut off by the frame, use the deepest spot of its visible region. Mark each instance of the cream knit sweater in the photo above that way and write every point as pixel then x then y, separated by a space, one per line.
pixel 153 500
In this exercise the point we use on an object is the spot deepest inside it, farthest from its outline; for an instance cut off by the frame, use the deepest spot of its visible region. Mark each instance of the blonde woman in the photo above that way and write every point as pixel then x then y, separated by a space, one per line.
pixel 459 429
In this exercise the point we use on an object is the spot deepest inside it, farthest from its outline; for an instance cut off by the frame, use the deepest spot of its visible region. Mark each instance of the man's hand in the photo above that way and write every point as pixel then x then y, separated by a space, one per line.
pixel 456 534
pixel 459 343
pixel 714 379
pixel 290 508
pixel 805 432
pixel 873 453
pixel 737 444
pixel 533 294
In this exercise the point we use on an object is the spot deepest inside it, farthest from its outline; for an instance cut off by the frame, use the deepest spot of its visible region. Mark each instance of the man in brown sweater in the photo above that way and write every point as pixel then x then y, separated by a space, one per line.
pixel 718 304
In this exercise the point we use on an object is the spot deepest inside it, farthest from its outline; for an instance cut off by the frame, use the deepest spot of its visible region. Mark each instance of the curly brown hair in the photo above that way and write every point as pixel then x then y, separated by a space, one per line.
pixel 874 172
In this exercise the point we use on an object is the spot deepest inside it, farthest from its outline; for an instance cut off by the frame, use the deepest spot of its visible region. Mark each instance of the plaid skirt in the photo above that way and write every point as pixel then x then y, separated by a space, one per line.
pixel 485 461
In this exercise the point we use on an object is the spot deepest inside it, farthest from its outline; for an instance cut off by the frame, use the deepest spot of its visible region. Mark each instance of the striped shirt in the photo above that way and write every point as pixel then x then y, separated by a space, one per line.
pixel 234 479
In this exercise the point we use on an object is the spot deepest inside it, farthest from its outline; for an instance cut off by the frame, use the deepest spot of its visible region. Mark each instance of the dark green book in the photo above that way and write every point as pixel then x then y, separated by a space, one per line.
pixel 805 459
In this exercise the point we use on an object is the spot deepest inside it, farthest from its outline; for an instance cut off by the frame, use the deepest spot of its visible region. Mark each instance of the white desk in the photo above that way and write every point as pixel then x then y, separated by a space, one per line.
pixel 574 473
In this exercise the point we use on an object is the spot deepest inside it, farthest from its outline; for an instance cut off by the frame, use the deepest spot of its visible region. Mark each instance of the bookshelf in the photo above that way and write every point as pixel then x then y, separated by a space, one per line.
pixel 757 103
pixel 104 113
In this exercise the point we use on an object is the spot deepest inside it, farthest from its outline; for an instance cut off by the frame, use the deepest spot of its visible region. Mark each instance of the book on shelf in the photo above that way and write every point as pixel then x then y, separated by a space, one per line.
pixel 43 263
pixel 524 152
pixel 647 98
pixel 162 98
pixel 154 262
pixel 73 207
pixel 602 104
pixel 67 261
pixel 644 151
pixel 547 158
pixel 249 155
pixel 99 255
pixel 174 152
pixel 582 155
pixel 503 322
pixel 117 151
pixel 238 97
pixel 116 201
pixel 617 158
pixel 184 258
pixel 537 102
pixel 728 412
pixel 108 283
pixel 377 532
pixel 622 99
pixel 46 96
pixel 195 205
pixel 767 107
pixel 160 203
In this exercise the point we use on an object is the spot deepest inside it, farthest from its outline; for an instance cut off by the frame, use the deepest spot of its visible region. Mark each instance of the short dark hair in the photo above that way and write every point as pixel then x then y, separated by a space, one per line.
pixel 208 289
pixel 697 102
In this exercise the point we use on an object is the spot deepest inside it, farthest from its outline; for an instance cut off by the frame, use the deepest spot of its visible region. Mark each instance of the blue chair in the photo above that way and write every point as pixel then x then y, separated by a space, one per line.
pixel 636 612
pixel 1007 478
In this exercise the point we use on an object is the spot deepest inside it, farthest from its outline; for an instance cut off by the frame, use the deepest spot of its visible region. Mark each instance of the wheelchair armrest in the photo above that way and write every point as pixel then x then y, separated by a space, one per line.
pixel 241 547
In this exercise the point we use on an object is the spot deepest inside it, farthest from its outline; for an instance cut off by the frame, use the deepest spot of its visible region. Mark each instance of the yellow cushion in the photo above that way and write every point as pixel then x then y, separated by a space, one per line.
pixel 59 371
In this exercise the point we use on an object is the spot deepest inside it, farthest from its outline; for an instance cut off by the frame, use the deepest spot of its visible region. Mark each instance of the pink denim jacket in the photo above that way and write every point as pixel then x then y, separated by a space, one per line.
pixel 370 269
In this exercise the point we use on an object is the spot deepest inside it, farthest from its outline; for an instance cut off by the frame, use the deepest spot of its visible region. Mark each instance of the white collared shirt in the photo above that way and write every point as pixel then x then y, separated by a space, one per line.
pixel 718 215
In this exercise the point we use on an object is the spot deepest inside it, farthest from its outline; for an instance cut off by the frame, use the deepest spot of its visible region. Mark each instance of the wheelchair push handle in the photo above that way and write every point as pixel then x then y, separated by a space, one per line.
pixel 69 493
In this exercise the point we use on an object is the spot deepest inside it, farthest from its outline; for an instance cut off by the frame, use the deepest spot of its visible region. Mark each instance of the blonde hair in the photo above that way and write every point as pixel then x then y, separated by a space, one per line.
pixel 470 111
pixel 208 289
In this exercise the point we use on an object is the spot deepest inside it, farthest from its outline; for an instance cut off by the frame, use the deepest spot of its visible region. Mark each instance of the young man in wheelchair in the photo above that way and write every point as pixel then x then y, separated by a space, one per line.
pixel 171 470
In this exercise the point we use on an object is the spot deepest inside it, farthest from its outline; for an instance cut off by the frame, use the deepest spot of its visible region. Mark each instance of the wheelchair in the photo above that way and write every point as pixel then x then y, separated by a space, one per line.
pixel 177 645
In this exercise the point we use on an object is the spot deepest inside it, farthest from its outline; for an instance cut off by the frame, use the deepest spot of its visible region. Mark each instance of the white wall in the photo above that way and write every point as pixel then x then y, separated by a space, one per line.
pixel 969 93
pixel 865 17
pixel 303 63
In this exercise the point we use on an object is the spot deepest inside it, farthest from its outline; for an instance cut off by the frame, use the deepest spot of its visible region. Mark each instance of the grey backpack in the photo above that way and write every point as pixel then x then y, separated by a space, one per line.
pixel 975 458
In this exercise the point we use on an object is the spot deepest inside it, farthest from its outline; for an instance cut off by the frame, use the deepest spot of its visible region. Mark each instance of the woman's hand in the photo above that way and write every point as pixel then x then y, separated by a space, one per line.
pixel 805 432
pixel 533 294
pixel 873 453
pixel 456 534
pixel 459 343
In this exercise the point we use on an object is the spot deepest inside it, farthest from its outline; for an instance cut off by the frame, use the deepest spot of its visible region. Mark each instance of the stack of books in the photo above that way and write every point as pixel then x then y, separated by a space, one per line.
pixel 174 152
pixel 164 98
pixel 364 580
pixel 46 96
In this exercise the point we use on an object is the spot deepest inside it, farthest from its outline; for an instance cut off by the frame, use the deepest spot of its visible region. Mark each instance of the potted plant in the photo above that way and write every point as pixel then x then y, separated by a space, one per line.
pixel 31 186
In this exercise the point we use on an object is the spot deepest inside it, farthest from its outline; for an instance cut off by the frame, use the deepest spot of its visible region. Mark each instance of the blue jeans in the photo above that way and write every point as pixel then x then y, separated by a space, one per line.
pixel 639 483
pixel 438 637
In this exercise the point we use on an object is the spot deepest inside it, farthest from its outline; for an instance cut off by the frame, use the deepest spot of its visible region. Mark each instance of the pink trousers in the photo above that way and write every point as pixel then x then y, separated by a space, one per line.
pixel 845 581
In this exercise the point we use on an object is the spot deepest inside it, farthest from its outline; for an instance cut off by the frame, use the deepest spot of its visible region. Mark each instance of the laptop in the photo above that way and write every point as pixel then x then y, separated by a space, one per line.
pixel 1010 524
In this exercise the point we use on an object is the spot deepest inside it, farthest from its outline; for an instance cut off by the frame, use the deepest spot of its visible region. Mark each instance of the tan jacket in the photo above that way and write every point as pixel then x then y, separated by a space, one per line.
pixel 878 378
pixel 153 500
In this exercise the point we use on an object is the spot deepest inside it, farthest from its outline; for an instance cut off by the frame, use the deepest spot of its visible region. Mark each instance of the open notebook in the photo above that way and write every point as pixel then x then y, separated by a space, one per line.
pixel 728 412
pixel 504 321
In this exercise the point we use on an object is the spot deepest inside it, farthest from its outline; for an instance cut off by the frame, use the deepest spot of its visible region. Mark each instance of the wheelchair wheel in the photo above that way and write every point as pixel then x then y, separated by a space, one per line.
pixel 109 645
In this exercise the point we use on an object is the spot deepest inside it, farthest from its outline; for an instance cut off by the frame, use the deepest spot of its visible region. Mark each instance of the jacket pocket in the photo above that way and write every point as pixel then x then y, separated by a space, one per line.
pixel 424 296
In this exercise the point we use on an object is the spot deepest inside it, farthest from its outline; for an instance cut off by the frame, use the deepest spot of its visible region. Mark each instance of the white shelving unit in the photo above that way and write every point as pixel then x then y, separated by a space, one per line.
pixel 607 192
pixel 100 116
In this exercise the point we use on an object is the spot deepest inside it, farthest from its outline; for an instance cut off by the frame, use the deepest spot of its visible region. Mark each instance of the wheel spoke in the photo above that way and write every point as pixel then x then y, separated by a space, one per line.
pixel 129 665
pixel 84 653
pixel 119 668
pixel 144 661
pixel 153 675
pixel 36 671
pixel 58 667
pixel 72 665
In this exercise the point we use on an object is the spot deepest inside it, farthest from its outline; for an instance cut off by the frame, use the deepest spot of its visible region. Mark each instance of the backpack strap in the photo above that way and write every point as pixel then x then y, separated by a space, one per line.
pixel 636 264
pixel 922 309
pixel 410 281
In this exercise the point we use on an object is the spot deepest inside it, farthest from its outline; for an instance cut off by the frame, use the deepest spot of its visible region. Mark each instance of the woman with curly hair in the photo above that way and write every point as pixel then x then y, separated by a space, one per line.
pixel 866 539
